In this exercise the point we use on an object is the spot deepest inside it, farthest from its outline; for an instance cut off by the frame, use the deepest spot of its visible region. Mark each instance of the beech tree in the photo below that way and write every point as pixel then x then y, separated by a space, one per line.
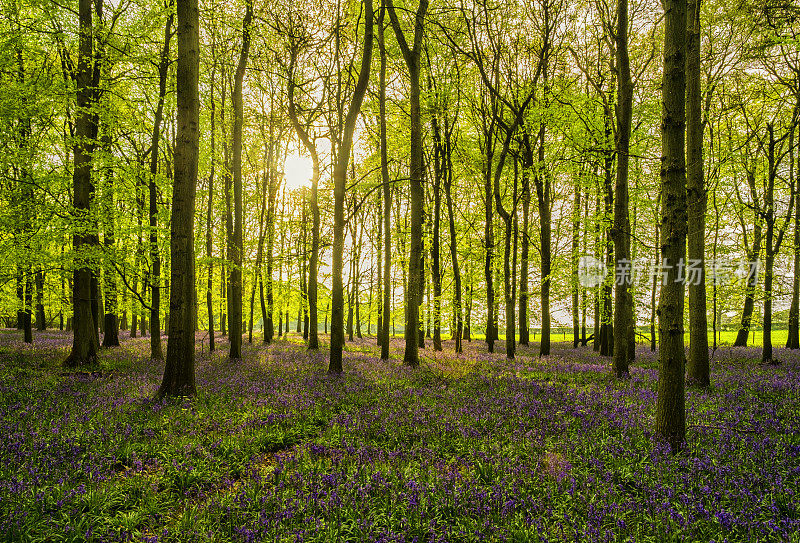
pixel 179 369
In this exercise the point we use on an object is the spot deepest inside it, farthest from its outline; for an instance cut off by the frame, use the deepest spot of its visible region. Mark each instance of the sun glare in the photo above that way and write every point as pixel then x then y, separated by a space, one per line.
pixel 298 170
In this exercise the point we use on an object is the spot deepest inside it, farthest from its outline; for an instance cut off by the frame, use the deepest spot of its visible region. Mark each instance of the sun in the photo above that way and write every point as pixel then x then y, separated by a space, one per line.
pixel 299 170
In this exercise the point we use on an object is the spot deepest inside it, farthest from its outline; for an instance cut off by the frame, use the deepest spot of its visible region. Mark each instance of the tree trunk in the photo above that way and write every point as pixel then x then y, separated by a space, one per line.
pixel 339 182
pixel 209 211
pixel 752 277
pixel 387 197
pixel 179 370
pixel 697 204
pixel 574 283
pixel 155 258
pixel 448 185
pixel 41 320
pixel 542 181
pixel 793 338
pixel 111 323
pixel 415 283
pixel 670 419
pixel 436 274
pixel 623 301
pixel 527 165
pixel 84 340
pixel 236 301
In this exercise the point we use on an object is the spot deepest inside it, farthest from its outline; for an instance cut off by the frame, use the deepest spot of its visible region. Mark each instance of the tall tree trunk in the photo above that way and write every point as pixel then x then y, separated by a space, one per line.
pixel 155 257
pixel 415 283
pixel 574 257
pixel 752 277
pixel 269 324
pixel 773 239
pixel 542 181
pixel 111 323
pixel 607 318
pixel 793 338
pixel 488 233
pixel 653 306
pixel 527 165
pixel 209 210
pixel 257 283
pixel 235 324
pixel 339 182
pixel 697 202
pixel 623 301
pixel 84 340
pixel 387 196
pixel 448 186
pixel 670 419
pixel 41 319
pixel 179 370
pixel 436 274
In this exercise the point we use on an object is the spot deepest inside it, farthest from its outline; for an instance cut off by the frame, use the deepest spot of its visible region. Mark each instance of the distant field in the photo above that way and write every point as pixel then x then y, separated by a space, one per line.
pixel 726 337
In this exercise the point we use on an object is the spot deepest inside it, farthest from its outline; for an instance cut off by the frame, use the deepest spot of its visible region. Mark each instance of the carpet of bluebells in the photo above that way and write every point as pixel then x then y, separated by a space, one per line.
pixel 468 447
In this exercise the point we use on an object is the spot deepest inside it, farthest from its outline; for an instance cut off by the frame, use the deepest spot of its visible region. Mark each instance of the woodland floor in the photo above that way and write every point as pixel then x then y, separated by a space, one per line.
pixel 466 448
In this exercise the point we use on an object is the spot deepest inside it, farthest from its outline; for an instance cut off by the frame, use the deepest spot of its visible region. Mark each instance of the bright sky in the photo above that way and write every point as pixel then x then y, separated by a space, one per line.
pixel 298 170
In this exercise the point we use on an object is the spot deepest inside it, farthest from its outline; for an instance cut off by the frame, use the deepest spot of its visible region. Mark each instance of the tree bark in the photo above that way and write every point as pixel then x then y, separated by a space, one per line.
pixel 179 378
pixel 84 340
pixel 339 182
pixel 793 338
pixel 752 277
pixel 155 257
pixel 670 419
pixel 527 166
pixel 697 202
pixel 415 283
pixel 387 195
pixel 209 210
pixel 623 301
pixel 236 302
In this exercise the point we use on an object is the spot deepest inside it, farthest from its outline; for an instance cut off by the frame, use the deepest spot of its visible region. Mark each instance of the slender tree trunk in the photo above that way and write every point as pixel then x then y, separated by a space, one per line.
pixel 488 265
pixel 111 324
pixel 793 338
pixel 257 283
pixel 269 324
pixel 84 341
pixel 209 210
pixel 339 181
pixel 41 320
pixel 387 197
pixel 607 318
pixel 155 257
pixel 752 279
pixel 542 178
pixel 623 301
pixel 574 283
pixel 236 303
pixel 179 371
pixel 697 201
pixel 448 185
pixel 412 56
pixel 773 239
pixel 670 419
pixel 436 274
pixel 527 165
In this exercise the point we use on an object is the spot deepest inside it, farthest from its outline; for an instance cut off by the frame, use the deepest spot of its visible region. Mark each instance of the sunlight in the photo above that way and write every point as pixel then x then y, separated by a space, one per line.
pixel 298 170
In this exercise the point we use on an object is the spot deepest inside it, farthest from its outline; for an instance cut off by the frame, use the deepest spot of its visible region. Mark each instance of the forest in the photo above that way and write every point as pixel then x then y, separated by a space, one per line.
pixel 340 270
